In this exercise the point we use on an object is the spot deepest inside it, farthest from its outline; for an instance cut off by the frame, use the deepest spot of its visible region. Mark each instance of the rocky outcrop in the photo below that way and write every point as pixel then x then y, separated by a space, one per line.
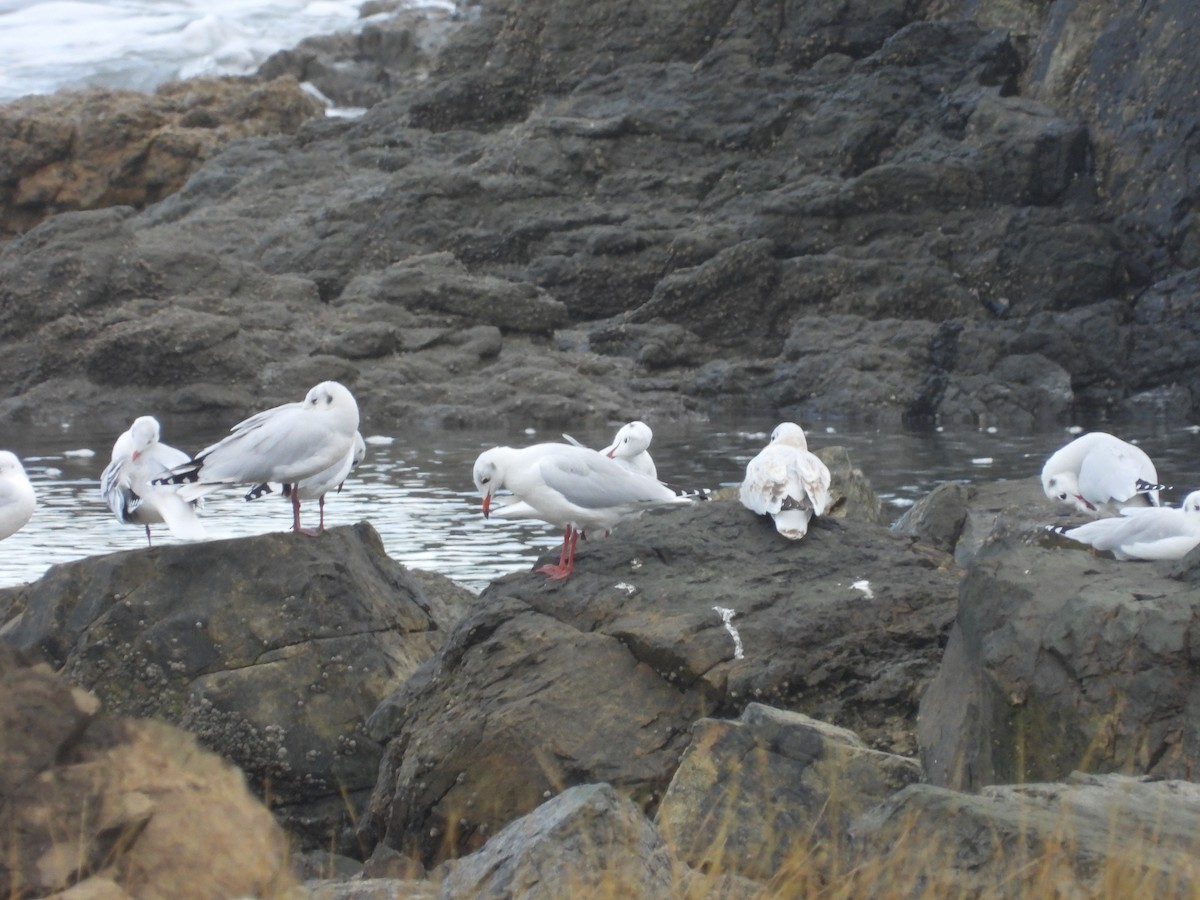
pixel 98 148
pixel 96 806
pixel 897 214
pixel 599 678
pixel 272 650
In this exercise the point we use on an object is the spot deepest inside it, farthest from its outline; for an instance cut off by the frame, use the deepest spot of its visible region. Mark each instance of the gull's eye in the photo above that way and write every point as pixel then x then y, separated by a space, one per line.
pixel 485 479
pixel 1062 496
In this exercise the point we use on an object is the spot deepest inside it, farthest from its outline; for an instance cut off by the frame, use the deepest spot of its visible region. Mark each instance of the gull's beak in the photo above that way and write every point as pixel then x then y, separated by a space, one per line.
pixel 487 504
pixel 612 454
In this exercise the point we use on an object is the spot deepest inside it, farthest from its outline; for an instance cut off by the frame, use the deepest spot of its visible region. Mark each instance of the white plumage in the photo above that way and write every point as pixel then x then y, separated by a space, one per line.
pixel 1143 532
pixel 17 498
pixel 139 457
pixel 787 482
pixel 1098 473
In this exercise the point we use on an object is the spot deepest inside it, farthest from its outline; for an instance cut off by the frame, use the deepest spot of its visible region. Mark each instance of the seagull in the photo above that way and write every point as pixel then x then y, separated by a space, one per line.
pixel 787 482
pixel 138 457
pixel 1142 532
pixel 574 488
pixel 17 500
pixel 287 444
pixel 631 448
pixel 1098 473
pixel 320 484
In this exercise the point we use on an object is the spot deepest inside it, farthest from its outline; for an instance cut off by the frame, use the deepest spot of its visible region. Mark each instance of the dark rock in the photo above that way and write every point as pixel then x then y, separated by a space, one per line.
pixel 272 650
pixel 96 805
pixel 543 685
pixel 938 518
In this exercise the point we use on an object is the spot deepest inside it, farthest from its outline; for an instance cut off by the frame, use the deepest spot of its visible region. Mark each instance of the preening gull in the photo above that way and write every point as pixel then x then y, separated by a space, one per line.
pixel 787 482
pixel 316 487
pixel 17 499
pixel 1098 473
pixel 286 444
pixel 579 490
pixel 631 447
pixel 139 457
pixel 1141 532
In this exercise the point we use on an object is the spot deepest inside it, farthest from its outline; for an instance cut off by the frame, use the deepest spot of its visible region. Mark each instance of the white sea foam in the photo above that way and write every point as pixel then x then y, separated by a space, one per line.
pixel 46 45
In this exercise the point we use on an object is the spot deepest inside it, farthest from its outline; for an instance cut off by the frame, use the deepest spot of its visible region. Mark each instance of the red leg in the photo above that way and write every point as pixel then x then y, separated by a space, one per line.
pixel 296 515
pixel 566 558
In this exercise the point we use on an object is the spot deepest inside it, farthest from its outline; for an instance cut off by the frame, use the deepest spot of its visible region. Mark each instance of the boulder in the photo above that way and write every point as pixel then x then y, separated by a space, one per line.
pixel 272 650
pixel 1094 835
pixel 771 787
pixel 1062 660
pixel 684 614
pixel 97 147
pixel 102 806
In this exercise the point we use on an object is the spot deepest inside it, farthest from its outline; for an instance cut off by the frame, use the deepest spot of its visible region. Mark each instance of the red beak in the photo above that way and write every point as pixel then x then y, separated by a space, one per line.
pixel 487 505
pixel 612 454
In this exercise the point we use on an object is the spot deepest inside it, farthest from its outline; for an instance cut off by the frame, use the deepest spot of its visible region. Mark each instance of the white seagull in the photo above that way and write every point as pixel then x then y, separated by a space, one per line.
pixel 17 500
pixel 316 487
pixel 1143 532
pixel 787 482
pixel 1098 473
pixel 286 444
pixel 138 457
pixel 579 490
pixel 631 447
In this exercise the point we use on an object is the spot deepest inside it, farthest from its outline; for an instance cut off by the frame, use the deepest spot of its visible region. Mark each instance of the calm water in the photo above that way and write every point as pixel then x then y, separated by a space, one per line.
pixel 416 488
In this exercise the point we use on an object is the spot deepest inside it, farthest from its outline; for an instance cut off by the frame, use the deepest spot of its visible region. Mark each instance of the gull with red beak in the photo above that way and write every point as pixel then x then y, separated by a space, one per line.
pixel 1098 474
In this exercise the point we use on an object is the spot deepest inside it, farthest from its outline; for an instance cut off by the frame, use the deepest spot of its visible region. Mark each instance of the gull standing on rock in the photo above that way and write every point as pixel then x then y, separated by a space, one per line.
pixel 139 457
pixel 287 444
pixel 316 487
pixel 1143 532
pixel 17 499
pixel 579 490
pixel 787 482
pixel 1098 474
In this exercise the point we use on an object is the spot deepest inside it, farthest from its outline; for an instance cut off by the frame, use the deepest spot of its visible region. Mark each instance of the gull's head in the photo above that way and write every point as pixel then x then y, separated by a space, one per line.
pixel 360 450
pixel 1191 503
pixel 488 477
pixel 1064 487
pixel 333 397
pixel 630 441
pixel 790 435
pixel 144 434
pixel 10 463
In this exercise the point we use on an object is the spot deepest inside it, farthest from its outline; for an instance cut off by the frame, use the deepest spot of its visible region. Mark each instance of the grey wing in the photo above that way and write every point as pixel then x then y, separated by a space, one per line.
pixel 592 481
pixel 162 460
pixel 114 487
pixel 253 423
pixel 1109 473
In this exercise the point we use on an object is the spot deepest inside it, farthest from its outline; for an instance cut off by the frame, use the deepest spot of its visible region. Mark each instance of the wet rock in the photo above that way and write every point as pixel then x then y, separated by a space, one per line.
pixel 750 793
pixel 273 650
pixel 116 807
pixel 938 517
pixel 599 678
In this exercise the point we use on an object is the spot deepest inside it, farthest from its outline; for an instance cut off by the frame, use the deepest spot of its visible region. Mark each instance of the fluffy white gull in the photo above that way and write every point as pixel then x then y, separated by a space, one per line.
pixel 787 482
pixel 316 487
pixel 1141 532
pixel 286 444
pixel 579 490
pixel 17 499
pixel 631 447
pixel 1098 473
pixel 138 457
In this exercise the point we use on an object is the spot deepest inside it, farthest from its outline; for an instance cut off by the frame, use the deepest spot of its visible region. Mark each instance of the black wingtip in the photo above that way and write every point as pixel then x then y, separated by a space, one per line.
pixel 257 491
pixel 1144 487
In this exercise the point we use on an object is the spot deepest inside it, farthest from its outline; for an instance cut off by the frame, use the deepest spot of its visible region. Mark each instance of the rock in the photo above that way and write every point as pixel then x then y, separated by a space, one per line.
pixel 274 658
pixel 96 148
pixel 938 518
pixel 749 794
pixel 114 807
pixel 544 685
pixel 1095 835
pixel 1060 660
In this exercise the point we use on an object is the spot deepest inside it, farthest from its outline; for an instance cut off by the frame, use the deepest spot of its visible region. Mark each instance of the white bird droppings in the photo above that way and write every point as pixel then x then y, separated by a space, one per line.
pixel 727 615
pixel 865 587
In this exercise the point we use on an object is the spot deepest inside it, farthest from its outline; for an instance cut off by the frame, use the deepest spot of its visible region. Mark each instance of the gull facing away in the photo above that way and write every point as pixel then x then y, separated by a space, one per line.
pixel 139 457
pixel 787 482
pixel 316 487
pixel 1143 532
pixel 579 490
pixel 17 499
pixel 1098 474
pixel 287 444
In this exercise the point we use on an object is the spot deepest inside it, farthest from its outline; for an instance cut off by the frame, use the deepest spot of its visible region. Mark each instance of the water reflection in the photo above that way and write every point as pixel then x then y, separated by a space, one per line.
pixel 415 487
